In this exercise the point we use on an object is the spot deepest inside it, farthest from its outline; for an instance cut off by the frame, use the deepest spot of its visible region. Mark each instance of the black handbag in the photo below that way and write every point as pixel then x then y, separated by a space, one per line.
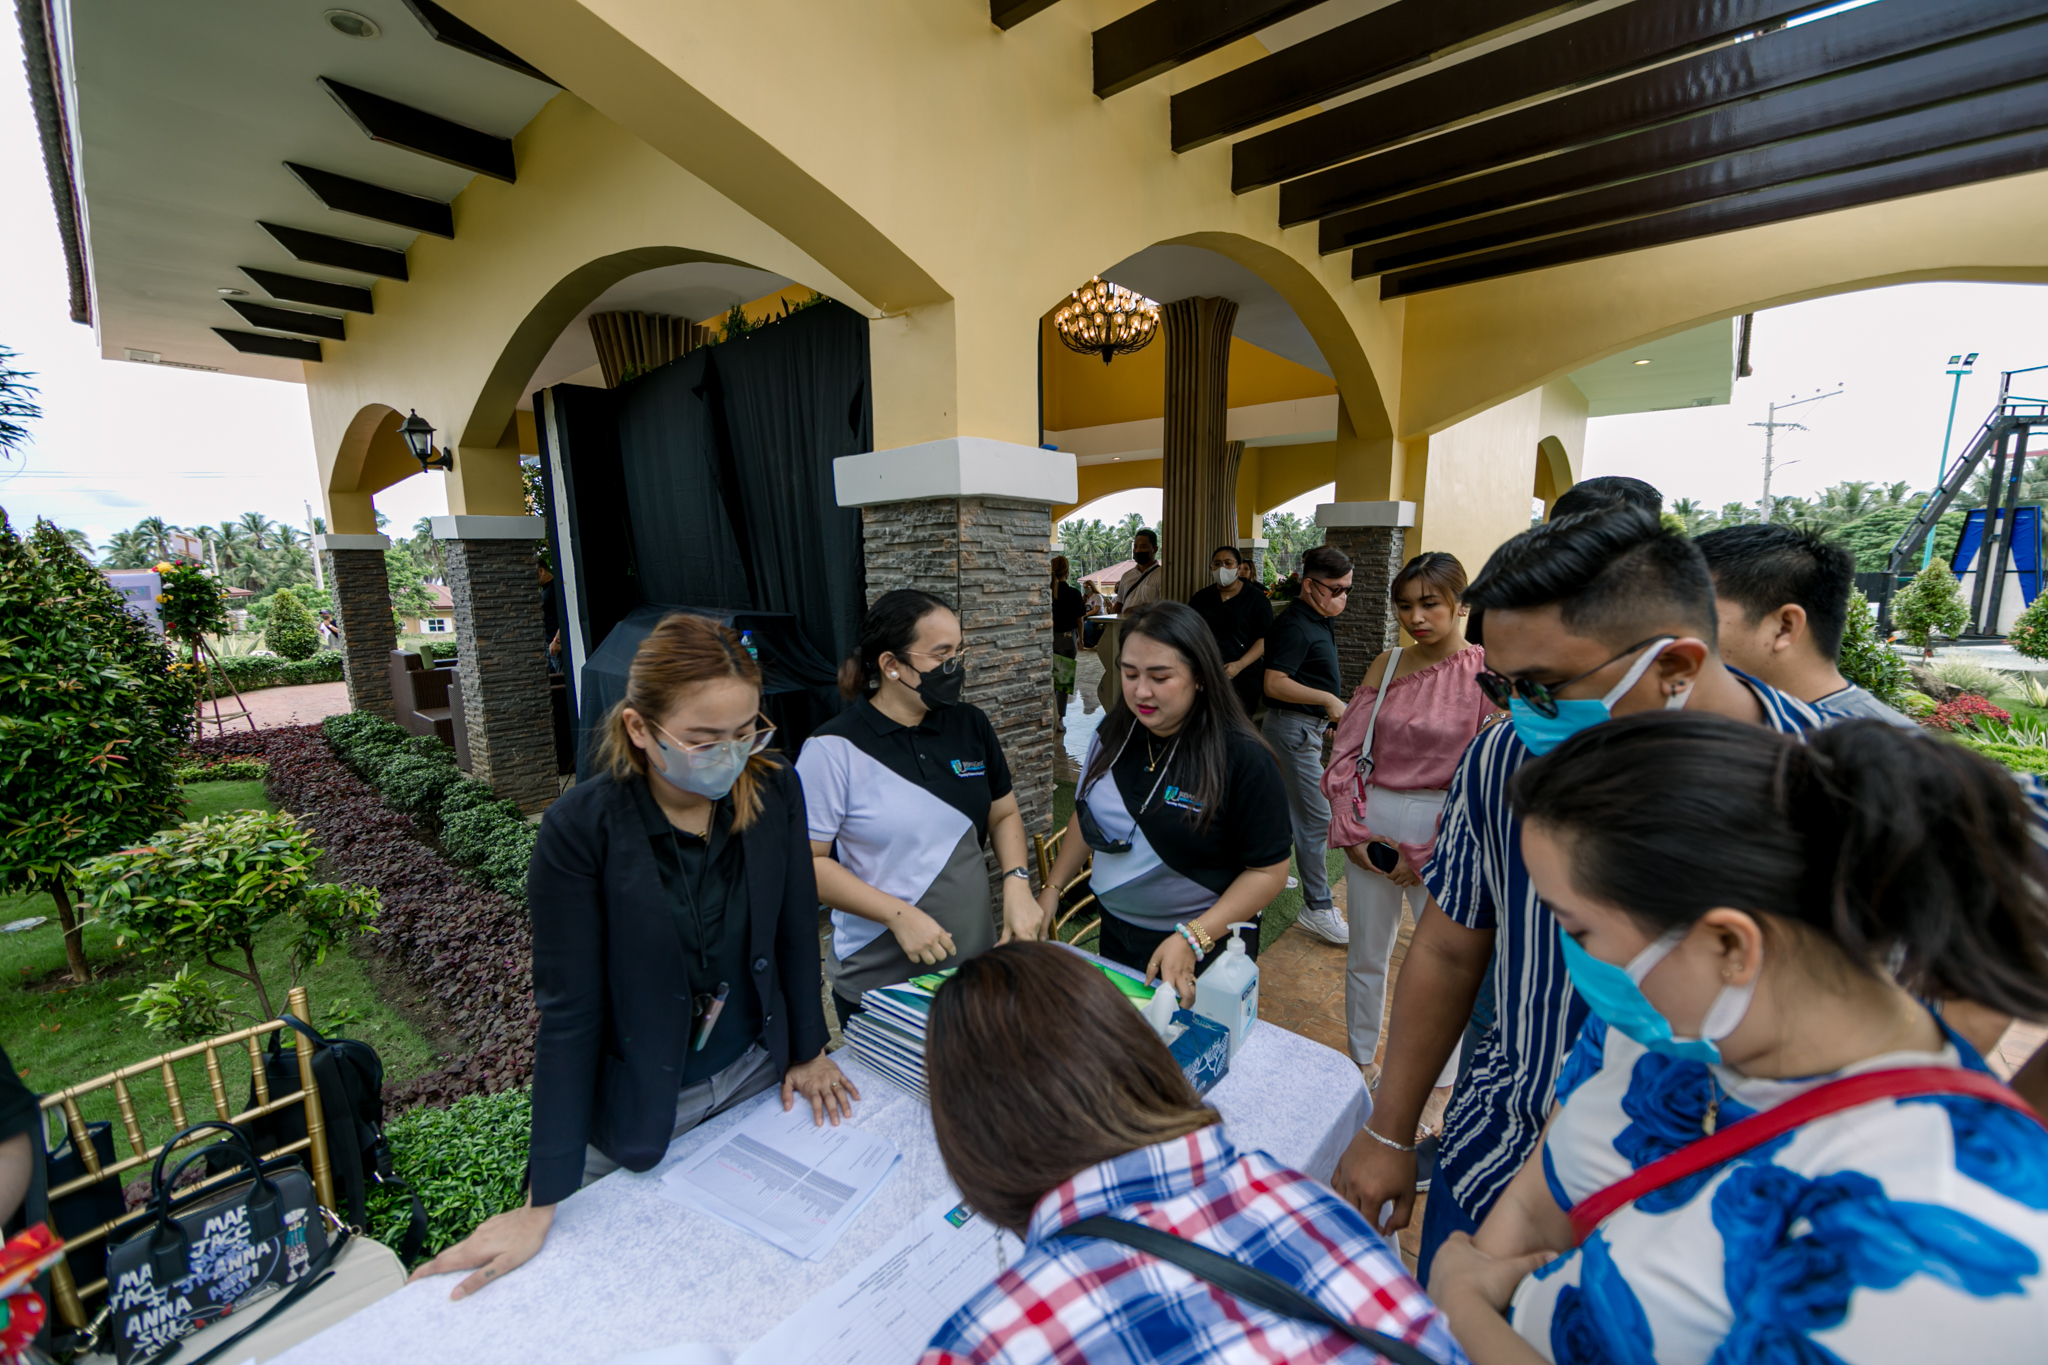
pixel 1245 1282
pixel 215 1252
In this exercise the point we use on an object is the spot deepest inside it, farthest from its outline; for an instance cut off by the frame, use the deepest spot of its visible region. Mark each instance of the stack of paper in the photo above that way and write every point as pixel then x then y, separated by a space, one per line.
pixel 888 1033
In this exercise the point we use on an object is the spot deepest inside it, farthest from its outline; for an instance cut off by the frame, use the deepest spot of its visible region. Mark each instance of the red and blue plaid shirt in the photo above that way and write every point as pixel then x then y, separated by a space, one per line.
pixel 1084 1301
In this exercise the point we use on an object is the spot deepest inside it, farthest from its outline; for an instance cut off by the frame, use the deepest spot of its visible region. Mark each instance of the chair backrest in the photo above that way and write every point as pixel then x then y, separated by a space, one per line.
pixel 1070 905
pixel 70 1297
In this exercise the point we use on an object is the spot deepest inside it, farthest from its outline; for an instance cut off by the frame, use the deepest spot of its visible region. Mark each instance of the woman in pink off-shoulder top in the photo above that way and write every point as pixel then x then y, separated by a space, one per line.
pixel 1392 760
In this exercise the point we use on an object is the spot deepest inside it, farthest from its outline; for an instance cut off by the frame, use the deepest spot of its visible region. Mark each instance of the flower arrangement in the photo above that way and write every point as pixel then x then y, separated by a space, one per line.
pixel 190 604
pixel 1963 711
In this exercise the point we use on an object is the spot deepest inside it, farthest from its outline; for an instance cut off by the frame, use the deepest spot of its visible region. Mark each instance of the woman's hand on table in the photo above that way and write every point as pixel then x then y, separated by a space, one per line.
pixel 923 939
pixel 822 1083
pixel 1024 915
pixel 501 1244
pixel 1173 962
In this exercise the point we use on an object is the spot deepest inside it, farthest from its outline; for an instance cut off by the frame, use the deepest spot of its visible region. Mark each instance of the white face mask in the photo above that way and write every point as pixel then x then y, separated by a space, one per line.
pixel 1225 577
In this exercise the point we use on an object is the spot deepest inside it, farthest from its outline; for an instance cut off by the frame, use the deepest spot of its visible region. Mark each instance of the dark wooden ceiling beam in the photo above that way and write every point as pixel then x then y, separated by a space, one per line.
pixel 1010 13
pixel 2017 109
pixel 1154 40
pixel 257 343
pixel 1952 72
pixel 430 135
pixel 288 320
pixel 319 293
pixel 344 194
pixel 1381 44
pixel 446 28
pixel 1677 90
pixel 1604 45
pixel 2017 155
pixel 317 248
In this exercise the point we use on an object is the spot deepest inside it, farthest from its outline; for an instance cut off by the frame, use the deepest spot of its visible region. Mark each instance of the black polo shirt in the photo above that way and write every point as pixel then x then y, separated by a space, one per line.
pixel 706 880
pixel 1302 644
pixel 1249 826
pixel 1238 623
pixel 1068 607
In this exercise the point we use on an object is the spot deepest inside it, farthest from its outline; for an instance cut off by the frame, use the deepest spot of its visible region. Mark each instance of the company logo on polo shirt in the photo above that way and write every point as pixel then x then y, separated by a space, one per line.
pixel 1181 799
pixel 963 768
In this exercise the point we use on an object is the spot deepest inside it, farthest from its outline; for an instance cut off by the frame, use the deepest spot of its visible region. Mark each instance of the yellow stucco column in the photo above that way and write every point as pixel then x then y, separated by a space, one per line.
pixel 955 368
pixel 1368 469
pixel 486 481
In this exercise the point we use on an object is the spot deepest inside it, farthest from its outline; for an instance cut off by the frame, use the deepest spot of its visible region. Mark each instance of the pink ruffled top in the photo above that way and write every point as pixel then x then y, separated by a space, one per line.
pixel 1429 717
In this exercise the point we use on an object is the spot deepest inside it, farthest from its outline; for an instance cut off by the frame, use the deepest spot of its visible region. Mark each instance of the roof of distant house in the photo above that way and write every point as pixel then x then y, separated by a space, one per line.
pixel 1108 577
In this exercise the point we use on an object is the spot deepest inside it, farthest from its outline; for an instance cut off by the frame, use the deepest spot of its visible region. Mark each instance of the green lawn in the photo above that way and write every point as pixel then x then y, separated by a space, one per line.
pixel 57 1033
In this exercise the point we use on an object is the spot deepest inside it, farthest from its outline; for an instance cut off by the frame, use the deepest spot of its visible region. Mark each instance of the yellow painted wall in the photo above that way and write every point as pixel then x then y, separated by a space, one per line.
pixel 764 308
pixel 1081 391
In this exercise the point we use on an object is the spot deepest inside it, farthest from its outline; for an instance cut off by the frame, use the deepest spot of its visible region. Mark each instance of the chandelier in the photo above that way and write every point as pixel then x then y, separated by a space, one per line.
pixel 1106 320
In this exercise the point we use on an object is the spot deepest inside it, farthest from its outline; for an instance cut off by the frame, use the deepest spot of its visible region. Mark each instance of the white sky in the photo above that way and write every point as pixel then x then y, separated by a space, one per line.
pixel 122 441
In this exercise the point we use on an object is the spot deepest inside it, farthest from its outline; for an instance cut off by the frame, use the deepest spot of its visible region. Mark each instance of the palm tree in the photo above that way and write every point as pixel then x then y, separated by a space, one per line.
pixel 17 404
pixel 258 528
pixel 156 535
pixel 1690 511
pixel 79 541
pixel 127 550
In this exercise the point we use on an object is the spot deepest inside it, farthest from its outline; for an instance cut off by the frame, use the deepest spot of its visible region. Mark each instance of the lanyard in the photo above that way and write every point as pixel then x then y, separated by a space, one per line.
pixel 1110 771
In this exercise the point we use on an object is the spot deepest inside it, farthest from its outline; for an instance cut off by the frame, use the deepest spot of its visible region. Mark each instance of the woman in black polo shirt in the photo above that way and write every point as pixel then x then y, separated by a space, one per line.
pixel 1238 615
pixel 902 789
pixel 1181 802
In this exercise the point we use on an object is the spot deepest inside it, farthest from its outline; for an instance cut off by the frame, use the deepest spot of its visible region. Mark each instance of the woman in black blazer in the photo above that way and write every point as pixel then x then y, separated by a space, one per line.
pixel 675 938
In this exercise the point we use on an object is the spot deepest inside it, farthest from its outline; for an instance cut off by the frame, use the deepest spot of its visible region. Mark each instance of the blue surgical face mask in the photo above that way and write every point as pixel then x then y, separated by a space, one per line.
pixel 1616 995
pixel 1543 733
pixel 706 769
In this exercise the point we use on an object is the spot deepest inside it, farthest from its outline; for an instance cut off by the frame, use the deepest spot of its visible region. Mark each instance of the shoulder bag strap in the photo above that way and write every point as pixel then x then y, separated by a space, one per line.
pixel 1737 1138
pixel 1240 1281
pixel 1366 762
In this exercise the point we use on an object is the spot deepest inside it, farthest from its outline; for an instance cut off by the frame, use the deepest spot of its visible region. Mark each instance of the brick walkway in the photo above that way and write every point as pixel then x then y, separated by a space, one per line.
pixel 277 706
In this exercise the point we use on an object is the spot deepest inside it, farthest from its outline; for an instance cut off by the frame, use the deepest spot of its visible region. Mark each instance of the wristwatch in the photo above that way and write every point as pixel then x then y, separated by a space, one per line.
pixel 1022 874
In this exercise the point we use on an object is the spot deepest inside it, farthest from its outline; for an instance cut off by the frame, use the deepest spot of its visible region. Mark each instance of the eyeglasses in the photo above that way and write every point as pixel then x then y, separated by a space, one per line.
pixel 1329 588
pixel 763 735
pixel 948 666
pixel 1542 697
pixel 1091 833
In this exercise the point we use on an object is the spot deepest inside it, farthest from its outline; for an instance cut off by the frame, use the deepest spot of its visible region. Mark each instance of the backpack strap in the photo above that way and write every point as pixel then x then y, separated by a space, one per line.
pixel 1848 1093
pixel 1366 762
pixel 1241 1281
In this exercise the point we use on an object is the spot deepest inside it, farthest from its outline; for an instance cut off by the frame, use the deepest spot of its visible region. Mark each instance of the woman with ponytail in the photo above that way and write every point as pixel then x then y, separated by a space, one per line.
pixel 904 788
pixel 675 941
pixel 1767 1148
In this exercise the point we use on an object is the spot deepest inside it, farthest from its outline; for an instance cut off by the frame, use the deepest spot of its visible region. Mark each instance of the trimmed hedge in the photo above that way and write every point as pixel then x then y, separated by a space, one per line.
pixel 253 672
pixel 469 948
pixel 466 1162
pixel 224 770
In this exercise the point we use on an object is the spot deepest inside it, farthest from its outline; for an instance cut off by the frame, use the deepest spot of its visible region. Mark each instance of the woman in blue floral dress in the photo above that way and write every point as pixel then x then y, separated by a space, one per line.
pixel 1739 912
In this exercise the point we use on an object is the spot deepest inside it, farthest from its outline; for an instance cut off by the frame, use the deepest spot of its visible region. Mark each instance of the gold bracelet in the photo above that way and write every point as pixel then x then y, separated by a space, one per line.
pixel 1202 938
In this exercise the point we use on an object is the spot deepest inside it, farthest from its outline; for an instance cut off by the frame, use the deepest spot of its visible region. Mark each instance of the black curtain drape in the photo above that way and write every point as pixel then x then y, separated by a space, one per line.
pixel 708 483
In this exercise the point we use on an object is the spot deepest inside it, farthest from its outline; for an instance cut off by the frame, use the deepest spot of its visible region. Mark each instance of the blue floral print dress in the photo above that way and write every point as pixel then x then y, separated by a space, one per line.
pixel 1903 1230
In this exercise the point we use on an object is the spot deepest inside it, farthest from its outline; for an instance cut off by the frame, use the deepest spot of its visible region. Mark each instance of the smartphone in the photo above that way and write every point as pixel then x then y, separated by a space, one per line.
pixel 1385 857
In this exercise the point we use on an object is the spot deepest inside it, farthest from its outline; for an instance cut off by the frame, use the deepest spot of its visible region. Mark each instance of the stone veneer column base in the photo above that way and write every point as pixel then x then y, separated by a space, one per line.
pixel 1373 535
pixel 501 660
pixel 988 557
pixel 362 609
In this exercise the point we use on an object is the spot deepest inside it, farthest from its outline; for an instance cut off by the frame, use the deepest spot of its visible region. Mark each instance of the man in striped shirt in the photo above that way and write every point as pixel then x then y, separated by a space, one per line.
pixel 1582 619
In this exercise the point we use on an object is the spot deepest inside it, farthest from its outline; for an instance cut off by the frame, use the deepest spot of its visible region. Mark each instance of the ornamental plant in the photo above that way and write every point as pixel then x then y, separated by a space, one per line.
pixel 190 604
pixel 1959 713
pixel 2029 634
pixel 93 716
pixel 1931 604
pixel 1867 661
pixel 209 887
pixel 290 631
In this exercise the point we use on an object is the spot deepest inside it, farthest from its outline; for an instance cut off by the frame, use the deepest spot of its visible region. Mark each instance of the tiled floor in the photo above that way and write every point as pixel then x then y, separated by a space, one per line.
pixel 285 706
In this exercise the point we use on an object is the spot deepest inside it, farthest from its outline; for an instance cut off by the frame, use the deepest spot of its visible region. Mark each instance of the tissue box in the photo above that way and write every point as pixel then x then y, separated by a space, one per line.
pixel 1203 1050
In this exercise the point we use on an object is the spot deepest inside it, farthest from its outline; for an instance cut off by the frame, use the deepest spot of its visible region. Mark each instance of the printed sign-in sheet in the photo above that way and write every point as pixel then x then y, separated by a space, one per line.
pixel 885 1309
pixel 783 1179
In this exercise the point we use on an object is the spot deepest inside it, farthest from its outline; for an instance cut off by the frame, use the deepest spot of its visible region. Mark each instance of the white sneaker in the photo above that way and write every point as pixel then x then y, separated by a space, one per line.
pixel 1327 925
pixel 1293 883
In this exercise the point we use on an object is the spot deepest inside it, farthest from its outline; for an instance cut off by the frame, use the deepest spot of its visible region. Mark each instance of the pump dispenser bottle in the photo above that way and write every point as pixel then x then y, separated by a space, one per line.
pixel 1228 992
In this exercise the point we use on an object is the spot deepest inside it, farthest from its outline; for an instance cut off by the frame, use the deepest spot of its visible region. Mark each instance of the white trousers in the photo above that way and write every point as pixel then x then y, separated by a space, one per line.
pixel 1373 907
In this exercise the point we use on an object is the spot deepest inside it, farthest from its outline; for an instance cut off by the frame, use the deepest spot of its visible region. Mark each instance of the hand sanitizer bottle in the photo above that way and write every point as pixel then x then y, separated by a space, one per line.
pixel 1228 992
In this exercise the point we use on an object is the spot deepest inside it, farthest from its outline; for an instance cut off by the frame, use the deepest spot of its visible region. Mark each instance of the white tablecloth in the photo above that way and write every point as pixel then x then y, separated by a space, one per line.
pixel 625 1270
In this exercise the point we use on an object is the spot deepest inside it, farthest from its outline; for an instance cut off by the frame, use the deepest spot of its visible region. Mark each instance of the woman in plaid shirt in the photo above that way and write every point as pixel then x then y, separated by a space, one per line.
pixel 1054 1102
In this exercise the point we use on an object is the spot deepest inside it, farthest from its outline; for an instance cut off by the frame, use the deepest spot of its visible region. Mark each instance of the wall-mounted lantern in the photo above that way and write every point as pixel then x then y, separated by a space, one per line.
pixel 419 439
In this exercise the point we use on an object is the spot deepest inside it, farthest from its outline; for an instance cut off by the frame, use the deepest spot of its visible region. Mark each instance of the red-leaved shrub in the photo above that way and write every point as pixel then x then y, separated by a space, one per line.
pixel 1956 714
pixel 471 949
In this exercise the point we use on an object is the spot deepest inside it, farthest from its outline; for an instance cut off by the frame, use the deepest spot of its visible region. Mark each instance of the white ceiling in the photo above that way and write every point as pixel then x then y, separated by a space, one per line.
pixel 1167 273
pixel 1694 369
pixel 696 291
pixel 184 114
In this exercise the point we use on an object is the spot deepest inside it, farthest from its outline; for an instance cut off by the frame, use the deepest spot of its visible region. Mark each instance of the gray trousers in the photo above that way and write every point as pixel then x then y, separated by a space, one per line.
pixel 1298 739
pixel 700 1100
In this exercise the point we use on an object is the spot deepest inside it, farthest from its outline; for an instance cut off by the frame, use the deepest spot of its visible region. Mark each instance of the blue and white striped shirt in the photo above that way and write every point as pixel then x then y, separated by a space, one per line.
pixel 1477 878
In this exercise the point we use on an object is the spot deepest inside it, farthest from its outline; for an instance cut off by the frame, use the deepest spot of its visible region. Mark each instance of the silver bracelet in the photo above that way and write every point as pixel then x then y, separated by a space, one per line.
pixel 1389 1142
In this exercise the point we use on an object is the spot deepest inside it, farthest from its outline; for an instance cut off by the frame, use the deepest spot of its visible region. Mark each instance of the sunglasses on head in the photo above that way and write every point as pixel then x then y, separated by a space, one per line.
pixel 1542 697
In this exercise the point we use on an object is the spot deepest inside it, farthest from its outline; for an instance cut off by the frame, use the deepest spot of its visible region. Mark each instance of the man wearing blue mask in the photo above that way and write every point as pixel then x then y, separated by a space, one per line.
pixel 1585 618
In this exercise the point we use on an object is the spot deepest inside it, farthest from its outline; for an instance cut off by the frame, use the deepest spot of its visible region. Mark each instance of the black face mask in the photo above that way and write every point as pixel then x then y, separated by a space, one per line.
pixel 1142 556
pixel 939 690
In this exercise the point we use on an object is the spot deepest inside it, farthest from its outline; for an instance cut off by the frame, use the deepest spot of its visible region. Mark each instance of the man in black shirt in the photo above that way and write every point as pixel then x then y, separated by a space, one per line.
pixel 1068 607
pixel 1238 615
pixel 1302 695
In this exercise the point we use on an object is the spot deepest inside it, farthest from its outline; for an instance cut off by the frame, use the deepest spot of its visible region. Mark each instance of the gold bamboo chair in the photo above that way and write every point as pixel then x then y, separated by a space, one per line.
pixel 71 1298
pixel 1048 848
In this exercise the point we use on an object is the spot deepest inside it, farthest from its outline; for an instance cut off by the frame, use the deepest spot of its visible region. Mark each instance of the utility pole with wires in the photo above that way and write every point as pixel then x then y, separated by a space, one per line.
pixel 1771 427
